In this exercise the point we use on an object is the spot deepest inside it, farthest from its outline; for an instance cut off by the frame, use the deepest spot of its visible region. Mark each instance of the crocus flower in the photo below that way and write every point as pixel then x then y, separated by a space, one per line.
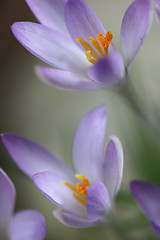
pixel 85 193
pixel 72 39
pixel 157 10
pixel 147 196
pixel 26 225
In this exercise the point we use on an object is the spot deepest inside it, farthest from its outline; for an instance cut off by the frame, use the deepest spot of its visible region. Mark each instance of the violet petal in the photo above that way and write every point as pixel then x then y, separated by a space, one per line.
pixel 98 200
pixel 81 21
pixel 135 26
pixel 155 228
pixel 50 46
pixel 88 144
pixel 50 13
pixel 74 221
pixel 27 225
pixel 109 70
pixel 7 199
pixel 51 185
pixel 113 166
pixel 32 158
pixel 147 196
pixel 67 80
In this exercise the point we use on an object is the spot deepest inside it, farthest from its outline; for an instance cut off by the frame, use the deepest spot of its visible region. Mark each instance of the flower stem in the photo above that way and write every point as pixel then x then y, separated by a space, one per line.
pixel 129 95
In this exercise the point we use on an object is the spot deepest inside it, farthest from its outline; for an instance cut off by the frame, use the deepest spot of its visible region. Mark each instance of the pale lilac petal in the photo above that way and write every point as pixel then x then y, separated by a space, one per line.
pixel 88 144
pixel 7 199
pixel 74 221
pixel 113 166
pixel 157 11
pixel 147 196
pixel 67 80
pixel 109 70
pixel 50 46
pixel 135 26
pixel 33 158
pixel 51 185
pixel 81 21
pixel 49 13
pixel 98 200
pixel 155 228
pixel 27 225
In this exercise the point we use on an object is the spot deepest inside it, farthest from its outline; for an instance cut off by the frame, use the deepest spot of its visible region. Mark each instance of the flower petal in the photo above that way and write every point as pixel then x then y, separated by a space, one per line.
pixel 135 26
pixel 7 198
pixel 67 80
pixel 51 185
pixel 74 221
pixel 155 228
pixel 113 166
pixel 50 46
pixel 33 158
pixel 81 21
pixel 49 13
pixel 27 225
pixel 109 70
pixel 157 10
pixel 98 200
pixel 88 144
pixel 147 196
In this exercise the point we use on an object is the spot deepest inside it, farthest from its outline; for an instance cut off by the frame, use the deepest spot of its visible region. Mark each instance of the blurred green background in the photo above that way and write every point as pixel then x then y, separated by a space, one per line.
pixel 50 117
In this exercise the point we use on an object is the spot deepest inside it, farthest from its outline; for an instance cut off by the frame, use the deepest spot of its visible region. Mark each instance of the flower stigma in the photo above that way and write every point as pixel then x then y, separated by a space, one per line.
pixel 80 190
pixel 102 48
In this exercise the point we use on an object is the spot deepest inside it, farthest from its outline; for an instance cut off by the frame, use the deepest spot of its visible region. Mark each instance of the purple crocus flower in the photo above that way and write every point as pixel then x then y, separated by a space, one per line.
pixel 147 196
pixel 157 10
pixel 26 225
pixel 85 193
pixel 72 39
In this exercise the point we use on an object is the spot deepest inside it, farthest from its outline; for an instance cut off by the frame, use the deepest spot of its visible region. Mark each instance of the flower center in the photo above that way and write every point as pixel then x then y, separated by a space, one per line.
pixel 102 48
pixel 80 190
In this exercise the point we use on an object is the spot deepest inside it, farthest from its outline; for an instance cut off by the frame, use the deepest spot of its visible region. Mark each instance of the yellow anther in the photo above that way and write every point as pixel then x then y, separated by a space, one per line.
pixel 96 45
pixel 87 47
pixel 80 190
pixel 90 59
pixel 105 41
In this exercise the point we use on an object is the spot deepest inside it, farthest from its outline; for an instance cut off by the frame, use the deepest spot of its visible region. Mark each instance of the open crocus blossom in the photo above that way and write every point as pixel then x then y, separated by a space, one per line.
pixel 147 196
pixel 87 193
pixel 72 39
pixel 26 225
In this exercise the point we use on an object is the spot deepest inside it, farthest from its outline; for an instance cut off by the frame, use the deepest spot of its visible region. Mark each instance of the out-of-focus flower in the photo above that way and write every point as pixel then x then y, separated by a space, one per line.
pixel 26 225
pixel 147 196
pixel 157 10
pixel 73 39
pixel 88 195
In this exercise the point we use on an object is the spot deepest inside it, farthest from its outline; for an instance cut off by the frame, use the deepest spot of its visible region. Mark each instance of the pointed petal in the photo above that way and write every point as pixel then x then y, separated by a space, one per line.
pixel 7 199
pixel 109 70
pixel 67 80
pixel 74 221
pixel 27 225
pixel 81 21
pixel 32 158
pixel 50 46
pixel 88 144
pixel 51 185
pixel 113 166
pixel 98 200
pixel 155 228
pixel 50 13
pixel 147 196
pixel 157 10
pixel 135 26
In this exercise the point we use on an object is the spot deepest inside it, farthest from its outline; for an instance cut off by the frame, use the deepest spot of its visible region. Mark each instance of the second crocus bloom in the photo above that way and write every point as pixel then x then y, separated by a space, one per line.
pixel 86 194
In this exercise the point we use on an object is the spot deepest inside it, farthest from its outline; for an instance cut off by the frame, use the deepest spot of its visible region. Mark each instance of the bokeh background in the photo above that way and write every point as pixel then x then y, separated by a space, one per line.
pixel 49 116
